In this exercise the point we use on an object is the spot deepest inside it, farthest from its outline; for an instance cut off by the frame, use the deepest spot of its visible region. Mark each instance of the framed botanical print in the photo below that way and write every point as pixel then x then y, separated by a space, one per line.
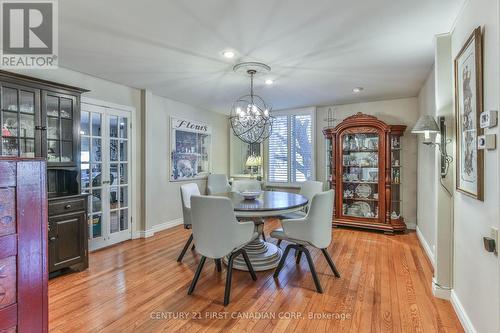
pixel 468 107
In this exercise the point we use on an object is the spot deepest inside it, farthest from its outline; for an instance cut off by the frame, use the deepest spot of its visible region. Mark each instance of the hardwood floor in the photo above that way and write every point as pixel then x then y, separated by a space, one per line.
pixel 138 286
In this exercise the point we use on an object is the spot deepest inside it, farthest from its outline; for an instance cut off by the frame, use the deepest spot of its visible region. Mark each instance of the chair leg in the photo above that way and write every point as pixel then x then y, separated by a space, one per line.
pixel 313 270
pixel 263 236
pixel 192 247
pixel 331 263
pixel 279 243
pixel 183 252
pixel 218 265
pixel 197 275
pixel 282 261
pixel 229 276
pixel 299 255
pixel 249 264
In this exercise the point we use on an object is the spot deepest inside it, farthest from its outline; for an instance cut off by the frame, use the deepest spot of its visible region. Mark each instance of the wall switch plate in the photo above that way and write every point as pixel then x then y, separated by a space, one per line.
pixel 488 119
pixel 488 141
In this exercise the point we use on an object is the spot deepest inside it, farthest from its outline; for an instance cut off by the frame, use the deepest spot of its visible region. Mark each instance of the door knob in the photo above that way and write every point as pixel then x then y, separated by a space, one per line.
pixel 53 238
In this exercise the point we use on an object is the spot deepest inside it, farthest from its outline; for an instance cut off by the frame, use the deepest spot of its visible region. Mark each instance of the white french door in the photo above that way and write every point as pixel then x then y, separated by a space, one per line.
pixel 105 145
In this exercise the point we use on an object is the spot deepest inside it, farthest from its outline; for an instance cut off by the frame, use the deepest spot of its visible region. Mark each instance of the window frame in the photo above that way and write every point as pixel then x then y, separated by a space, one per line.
pixel 293 112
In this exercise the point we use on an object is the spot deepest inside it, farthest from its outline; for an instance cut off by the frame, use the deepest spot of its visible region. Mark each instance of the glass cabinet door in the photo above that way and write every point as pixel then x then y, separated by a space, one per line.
pixel 396 200
pixel 360 175
pixel 60 126
pixel 19 117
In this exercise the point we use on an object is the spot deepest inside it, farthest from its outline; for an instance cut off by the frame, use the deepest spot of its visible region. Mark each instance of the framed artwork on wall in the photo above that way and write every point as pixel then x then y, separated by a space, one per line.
pixel 468 107
pixel 190 154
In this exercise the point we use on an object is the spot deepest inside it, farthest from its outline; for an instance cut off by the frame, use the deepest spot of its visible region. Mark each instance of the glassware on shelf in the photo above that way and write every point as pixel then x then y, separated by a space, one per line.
pixel 360 175
pixel 396 199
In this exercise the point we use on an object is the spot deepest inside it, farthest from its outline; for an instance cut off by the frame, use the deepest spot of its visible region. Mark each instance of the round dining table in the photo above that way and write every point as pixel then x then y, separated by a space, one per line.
pixel 263 255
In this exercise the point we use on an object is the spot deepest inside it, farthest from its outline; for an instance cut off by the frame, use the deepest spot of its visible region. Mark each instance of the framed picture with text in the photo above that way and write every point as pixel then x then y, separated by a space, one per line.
pixel 190 152
pixel 468 67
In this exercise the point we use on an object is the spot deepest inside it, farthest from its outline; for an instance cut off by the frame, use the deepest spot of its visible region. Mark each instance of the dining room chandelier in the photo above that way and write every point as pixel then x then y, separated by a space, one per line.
pixel 250 118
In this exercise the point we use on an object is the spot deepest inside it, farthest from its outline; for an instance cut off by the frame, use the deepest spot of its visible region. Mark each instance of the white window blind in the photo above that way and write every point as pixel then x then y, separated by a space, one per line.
pixel 278 151
pixel 290 148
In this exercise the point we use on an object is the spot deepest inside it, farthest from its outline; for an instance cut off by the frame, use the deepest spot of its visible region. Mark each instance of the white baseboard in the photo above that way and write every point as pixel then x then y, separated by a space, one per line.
pixel 158 227
pixel 440 292
pixel 462 315
pixel 426 247
pixel 411 225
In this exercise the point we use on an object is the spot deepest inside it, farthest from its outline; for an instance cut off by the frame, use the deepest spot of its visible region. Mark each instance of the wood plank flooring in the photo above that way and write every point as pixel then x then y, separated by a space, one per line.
pixel 138 286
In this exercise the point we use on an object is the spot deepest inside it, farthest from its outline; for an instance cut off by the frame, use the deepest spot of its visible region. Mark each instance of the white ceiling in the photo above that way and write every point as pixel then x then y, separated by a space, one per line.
pixel 318 49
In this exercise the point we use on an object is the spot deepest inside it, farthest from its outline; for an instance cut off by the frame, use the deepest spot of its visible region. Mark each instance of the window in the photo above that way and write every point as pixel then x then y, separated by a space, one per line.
pixel 291 147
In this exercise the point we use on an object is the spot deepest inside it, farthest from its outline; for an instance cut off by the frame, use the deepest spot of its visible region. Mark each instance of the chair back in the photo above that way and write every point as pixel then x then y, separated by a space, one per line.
pixel 217 183
pixel 188 190
pixel 216 231
pixel 319 220
pixel 309 188
pixel 246 185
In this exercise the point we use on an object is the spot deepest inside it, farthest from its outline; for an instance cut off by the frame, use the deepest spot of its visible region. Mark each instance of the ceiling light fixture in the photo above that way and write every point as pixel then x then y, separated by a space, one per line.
pixel 250 116
pixel 228 54
pixel 269 82
pixel 357 90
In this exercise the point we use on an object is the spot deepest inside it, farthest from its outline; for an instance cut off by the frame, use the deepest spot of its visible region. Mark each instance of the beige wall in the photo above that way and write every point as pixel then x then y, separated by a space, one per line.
pixel 108 92
pixel 427 172
pixel 476 272
pixel 161 196
pixel 398 111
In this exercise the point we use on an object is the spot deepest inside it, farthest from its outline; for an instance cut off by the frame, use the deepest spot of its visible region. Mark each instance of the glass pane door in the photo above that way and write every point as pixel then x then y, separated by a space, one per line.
pixel 106 173
pixel 18 119
pixel 119 176
pixel 396 193
pixel 92 169
pixel 59 111
pixel 360 176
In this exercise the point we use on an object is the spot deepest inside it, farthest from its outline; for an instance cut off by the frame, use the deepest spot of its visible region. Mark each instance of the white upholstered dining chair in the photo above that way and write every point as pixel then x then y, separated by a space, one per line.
pixel 308 189
pixel 315 229
pixel 217 234
pixel 217 183
pixel 187 191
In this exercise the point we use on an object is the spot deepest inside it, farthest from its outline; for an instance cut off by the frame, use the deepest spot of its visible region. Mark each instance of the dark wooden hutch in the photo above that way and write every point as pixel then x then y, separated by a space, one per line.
pixel 41 119
pixel 365 171
pixel 23 245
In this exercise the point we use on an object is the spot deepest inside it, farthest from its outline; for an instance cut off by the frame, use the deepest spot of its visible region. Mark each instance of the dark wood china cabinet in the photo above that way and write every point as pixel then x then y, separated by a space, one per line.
pixel 41 119
pixel 365 171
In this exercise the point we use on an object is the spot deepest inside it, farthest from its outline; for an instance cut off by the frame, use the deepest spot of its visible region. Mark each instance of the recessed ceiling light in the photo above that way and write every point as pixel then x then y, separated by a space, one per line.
pixel 269 82
pixel 357 90
pixel 228 54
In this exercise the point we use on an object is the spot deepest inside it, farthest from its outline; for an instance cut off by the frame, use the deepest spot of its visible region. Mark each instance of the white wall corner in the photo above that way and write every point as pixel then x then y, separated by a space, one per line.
pixel 440 292
pixel 462 315
pixel 157 228
pixel 426 247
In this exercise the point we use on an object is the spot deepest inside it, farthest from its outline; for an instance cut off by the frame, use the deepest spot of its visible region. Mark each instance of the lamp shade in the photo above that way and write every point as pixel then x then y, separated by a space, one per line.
pixel 253 161
pixel 425 124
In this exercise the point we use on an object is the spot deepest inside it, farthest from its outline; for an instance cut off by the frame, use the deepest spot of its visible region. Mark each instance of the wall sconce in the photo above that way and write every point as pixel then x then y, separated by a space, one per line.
pixel 427 125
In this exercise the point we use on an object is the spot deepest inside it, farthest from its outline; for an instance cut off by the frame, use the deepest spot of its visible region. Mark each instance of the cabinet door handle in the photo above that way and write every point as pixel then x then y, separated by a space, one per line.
pixel 68 206
pixel 106 182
